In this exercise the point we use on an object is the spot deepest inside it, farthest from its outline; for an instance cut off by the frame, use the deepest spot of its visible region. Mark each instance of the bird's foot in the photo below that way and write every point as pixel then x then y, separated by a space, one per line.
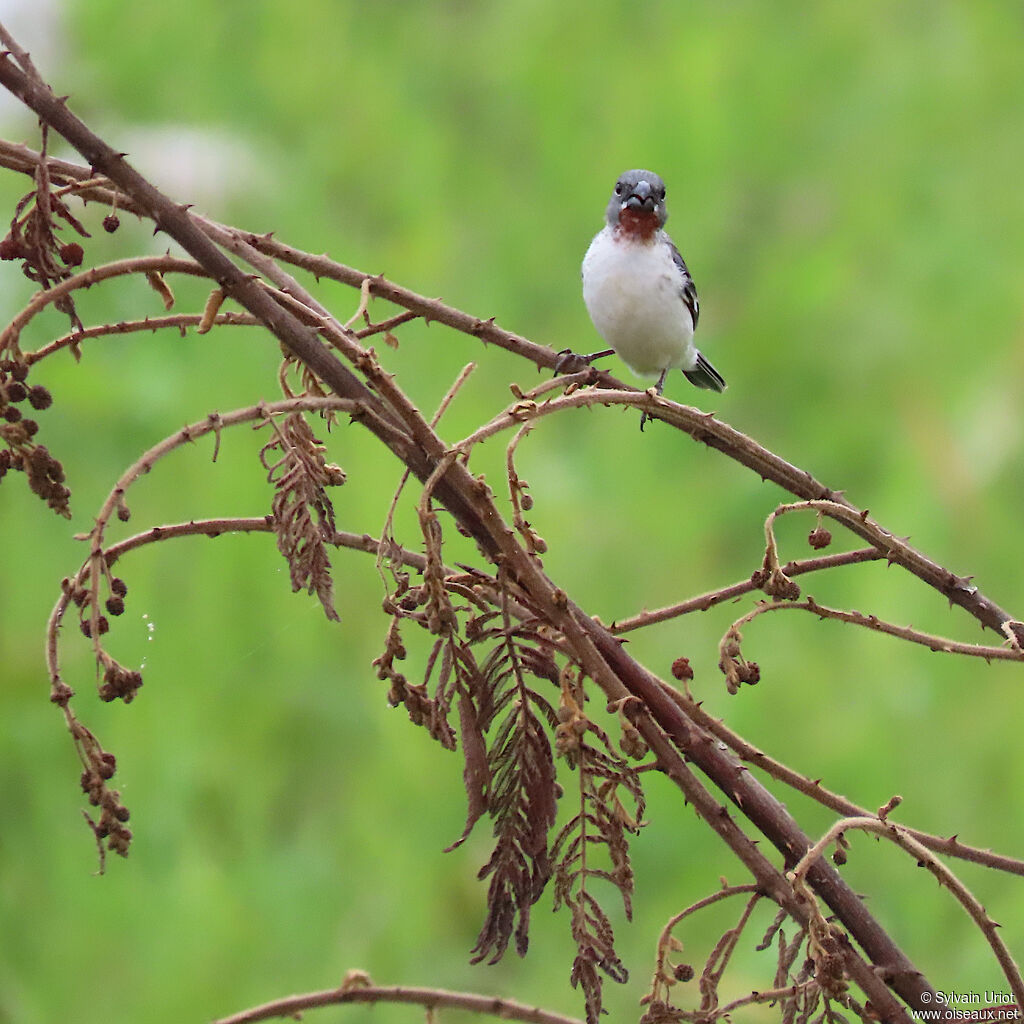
pixel 656 391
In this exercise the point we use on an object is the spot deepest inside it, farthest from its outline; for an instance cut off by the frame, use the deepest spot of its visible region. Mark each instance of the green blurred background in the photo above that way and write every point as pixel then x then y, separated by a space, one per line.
pixel 844 181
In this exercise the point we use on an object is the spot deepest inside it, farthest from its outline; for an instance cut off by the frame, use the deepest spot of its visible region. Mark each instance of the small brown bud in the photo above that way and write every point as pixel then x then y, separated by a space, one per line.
pixel 111 223
pixel 683 972
pixel 120 841
pixel 11 414
pixel 115 605
pixel 39 397
pixel 526 502
pixel 681 669
pixel 72 254
pixel 11 249
pixel 819 538
pixel 16 391
pixel 19 371
pixel 118 586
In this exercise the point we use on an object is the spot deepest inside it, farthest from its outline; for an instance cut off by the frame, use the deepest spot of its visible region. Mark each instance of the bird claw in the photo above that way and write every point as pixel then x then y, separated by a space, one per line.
pixel 567 357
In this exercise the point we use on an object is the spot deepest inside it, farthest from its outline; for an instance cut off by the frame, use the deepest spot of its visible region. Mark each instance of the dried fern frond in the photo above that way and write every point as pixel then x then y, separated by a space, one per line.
pixel 601 822
pixel 302 512
pixel 523 791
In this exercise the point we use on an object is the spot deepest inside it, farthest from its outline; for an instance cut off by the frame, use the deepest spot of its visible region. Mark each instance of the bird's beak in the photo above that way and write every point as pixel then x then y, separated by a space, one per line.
pixel 641 198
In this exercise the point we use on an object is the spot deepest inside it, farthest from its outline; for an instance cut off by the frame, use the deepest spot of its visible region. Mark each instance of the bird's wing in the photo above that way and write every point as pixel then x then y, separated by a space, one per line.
pixel 688 292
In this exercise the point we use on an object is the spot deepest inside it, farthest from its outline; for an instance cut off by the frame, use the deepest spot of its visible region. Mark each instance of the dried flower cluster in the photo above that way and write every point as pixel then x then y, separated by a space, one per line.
pixel 44 473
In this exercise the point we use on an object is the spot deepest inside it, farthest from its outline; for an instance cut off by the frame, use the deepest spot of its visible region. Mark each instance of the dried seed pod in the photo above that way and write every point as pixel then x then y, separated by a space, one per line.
pixel 819 538
pixel 39 397
pixel 681 669
pixel 72 254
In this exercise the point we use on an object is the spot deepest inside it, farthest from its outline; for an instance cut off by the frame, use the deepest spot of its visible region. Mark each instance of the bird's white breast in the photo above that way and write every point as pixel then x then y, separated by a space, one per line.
pixel 633 292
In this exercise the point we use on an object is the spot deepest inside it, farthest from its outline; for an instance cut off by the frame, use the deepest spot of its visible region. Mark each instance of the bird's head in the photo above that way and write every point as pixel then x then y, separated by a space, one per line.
pixel 637 205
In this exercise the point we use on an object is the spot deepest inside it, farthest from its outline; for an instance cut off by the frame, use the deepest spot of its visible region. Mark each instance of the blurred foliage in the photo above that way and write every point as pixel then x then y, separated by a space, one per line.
pixel 844 183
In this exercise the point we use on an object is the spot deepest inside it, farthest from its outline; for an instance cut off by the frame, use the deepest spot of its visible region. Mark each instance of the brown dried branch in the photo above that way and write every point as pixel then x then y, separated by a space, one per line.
pixel 702 602
pixel 95 568
pixel 951 846
pixel 718 961
pixel 713 432
pixel 145 265
pixel 83 590
pixel 667 974
pixel 899 836
pixel 430 998
pixel 737 670
pixel 181 321
pixel 700 425
pixel 387 413
pixel 521 500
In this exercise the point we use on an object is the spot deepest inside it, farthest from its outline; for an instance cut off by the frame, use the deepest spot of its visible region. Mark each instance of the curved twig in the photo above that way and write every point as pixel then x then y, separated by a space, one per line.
pixel 96 565
pixel 429 998
pixel 951 846
pixel 899 836
pixel 702 602
pixel 87 278
pixel 181 321
pixel 873 622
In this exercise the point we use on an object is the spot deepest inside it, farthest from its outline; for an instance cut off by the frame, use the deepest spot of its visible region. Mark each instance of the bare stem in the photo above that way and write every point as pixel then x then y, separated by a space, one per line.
pixel 429 998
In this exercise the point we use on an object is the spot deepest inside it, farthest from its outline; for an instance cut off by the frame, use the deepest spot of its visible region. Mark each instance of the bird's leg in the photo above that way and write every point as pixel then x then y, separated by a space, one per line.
pixel 567 356
pixel 659 387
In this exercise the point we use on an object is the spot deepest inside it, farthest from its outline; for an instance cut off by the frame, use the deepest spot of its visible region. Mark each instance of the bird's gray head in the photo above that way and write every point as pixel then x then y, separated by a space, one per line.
pixel 637 205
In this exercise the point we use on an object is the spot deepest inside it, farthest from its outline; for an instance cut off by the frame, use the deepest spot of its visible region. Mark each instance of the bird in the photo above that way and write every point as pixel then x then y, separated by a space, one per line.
pixel 638 289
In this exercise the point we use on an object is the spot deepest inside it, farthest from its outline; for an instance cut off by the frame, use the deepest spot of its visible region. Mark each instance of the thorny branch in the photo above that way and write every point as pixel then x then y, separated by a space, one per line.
pixel 505 631
pixel 358 988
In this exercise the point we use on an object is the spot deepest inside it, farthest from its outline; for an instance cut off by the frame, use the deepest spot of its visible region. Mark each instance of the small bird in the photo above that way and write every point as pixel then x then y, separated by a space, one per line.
pixel 638 290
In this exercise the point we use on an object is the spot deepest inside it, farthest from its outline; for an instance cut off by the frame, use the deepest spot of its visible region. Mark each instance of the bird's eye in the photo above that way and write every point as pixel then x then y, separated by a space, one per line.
pixel 618 189
pixel 662 191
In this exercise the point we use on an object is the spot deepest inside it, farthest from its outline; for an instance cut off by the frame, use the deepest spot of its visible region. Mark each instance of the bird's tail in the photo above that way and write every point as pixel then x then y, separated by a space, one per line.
pixel 704 375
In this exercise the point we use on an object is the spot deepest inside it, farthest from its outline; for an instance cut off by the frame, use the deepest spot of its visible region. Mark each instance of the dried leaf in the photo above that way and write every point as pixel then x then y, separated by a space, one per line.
pixel 302 511
pixel 476 773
